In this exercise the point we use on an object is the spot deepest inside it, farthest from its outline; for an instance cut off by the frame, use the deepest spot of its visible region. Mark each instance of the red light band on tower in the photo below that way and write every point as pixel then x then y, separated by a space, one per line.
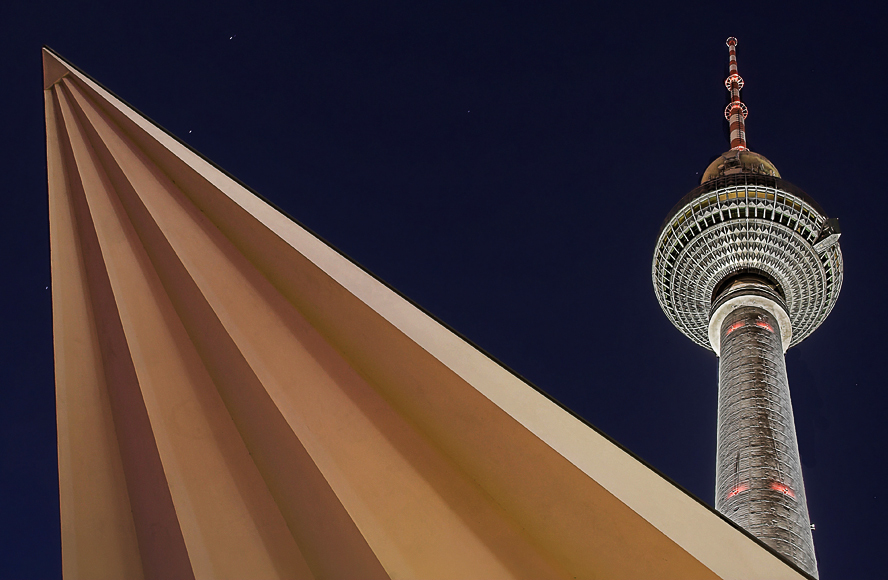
pixel 784 489
pixel 765 325
pixel 736 111
pixel 735 326
pixel 740 488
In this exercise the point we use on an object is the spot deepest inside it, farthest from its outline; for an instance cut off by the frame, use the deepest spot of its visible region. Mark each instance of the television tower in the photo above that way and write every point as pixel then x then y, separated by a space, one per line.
pixel 748 265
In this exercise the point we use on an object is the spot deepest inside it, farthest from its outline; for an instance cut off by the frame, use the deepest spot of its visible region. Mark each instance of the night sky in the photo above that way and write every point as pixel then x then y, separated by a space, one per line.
pixel 507 168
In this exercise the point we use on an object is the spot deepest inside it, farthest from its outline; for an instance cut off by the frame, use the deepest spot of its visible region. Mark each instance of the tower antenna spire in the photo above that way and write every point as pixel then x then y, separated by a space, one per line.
pixel 736 111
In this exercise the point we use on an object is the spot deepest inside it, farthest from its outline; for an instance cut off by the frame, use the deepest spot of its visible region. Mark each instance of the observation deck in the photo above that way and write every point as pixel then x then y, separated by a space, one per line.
pixel 747 222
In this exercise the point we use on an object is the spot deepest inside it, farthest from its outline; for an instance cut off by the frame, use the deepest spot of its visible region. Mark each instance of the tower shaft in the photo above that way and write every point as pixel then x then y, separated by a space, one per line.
pixel 758 474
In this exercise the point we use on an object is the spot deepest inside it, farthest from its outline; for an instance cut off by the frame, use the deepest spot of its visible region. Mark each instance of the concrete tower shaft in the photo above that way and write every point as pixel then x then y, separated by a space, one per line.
pixel 758 471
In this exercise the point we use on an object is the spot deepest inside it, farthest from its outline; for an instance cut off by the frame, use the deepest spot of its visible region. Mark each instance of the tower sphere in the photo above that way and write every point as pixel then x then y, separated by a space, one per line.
pixel 746 219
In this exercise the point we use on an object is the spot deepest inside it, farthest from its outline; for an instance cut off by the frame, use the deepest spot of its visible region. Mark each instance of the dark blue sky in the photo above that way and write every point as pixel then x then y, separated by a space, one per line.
pixel 508 168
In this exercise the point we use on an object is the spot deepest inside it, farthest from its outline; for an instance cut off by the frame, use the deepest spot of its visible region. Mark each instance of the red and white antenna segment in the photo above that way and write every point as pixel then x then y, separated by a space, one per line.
pixel 736 111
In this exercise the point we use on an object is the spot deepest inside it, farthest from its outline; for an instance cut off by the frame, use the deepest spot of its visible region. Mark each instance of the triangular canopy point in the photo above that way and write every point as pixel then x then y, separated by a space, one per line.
pixel 53 69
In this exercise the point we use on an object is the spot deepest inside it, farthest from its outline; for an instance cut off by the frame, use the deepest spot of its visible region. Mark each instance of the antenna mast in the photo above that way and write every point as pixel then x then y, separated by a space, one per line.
pixel 736 111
